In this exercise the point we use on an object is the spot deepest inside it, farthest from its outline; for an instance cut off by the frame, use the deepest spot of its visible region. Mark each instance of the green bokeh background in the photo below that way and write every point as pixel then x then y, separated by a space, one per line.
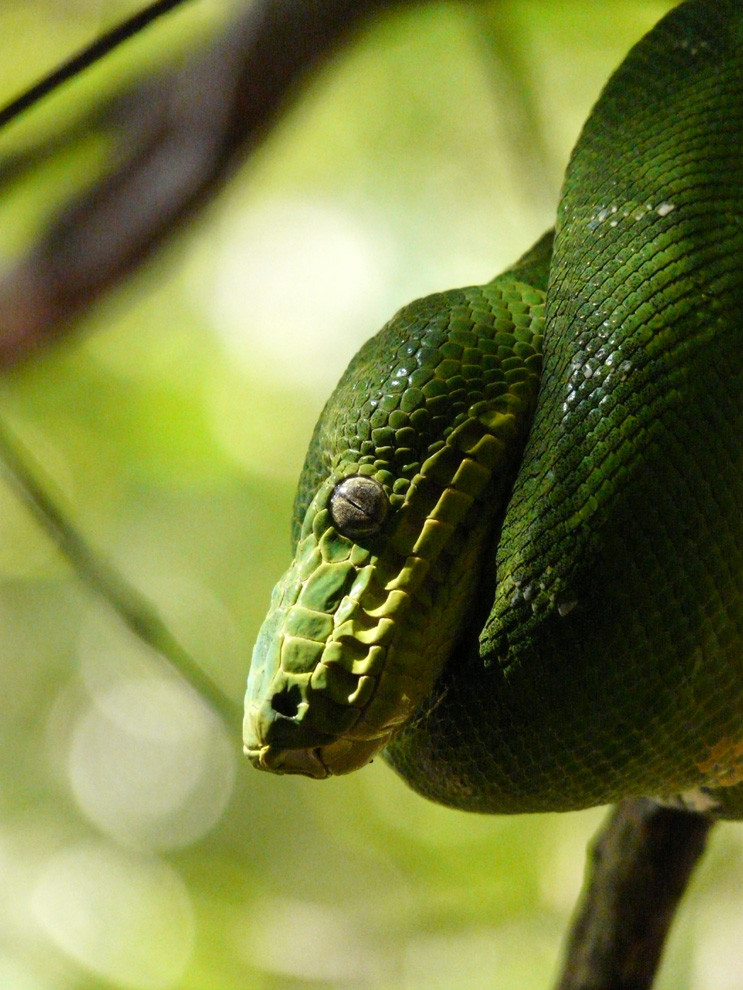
pixel 137 848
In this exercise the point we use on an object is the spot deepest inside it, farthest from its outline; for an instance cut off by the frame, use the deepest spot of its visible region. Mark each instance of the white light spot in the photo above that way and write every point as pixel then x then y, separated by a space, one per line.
pixel 309 942
pixel 298 284
pixel 664 209
pixel 125 918
pixel 13 975
pixel 718 953
pixel 149 765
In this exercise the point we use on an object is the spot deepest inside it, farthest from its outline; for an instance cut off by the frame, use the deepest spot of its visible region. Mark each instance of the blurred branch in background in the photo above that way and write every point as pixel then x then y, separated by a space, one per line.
pixel 178 136
pixel 131 606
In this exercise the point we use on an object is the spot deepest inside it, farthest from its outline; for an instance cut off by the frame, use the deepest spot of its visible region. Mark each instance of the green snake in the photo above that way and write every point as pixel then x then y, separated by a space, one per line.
pixel 518 533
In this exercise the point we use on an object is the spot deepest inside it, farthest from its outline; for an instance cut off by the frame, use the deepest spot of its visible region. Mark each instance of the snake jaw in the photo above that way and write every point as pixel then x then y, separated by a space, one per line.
pixel 339 757
pixel 306 762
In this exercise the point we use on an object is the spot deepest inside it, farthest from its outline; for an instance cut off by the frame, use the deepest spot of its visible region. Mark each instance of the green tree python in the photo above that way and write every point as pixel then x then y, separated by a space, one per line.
pixel 518 533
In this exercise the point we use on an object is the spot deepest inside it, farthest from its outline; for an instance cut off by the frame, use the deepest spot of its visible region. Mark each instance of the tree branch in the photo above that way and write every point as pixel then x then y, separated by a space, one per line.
pixel 638 871
pixel 177 138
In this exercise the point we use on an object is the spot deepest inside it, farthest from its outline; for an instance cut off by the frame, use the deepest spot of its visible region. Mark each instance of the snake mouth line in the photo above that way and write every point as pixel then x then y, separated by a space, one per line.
pixel 306 762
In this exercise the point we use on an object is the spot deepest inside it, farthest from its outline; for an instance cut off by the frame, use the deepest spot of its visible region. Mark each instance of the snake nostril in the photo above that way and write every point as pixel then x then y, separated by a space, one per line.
pixel 287 702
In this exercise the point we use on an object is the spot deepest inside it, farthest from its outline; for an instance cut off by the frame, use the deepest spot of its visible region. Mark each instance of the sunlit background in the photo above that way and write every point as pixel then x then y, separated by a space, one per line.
pixel 137 847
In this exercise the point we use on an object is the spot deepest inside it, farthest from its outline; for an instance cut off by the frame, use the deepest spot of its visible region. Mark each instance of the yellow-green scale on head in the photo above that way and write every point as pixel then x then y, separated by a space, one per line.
pixel 408 471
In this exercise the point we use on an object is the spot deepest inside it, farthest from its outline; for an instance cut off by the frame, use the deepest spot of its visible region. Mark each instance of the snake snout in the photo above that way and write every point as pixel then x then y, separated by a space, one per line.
pixel 279 739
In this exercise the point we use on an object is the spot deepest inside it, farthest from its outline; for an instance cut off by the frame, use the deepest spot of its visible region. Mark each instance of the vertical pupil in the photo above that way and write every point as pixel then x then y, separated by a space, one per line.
pixel 358 506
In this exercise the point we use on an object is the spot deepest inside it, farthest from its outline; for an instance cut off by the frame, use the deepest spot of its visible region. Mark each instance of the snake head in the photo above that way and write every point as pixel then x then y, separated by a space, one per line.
pixel 408 469
pixel 326 641
pixel 344 657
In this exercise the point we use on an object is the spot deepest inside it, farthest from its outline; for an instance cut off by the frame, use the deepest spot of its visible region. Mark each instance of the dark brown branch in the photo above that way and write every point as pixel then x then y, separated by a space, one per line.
pixel 179 136
pixel 638 871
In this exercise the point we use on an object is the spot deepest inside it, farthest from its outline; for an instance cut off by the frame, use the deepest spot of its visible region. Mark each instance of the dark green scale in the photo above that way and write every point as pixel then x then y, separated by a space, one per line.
pixel 611 662
pixel 420 359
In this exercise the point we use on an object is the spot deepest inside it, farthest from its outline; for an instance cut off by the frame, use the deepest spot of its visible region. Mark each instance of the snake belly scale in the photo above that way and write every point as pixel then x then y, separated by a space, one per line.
pixel 518 533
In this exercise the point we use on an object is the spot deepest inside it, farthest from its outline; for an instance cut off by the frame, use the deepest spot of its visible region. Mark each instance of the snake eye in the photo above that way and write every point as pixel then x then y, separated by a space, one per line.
pixel 358 507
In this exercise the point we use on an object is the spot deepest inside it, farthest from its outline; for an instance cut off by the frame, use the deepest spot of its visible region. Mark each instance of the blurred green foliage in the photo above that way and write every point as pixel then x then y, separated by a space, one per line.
pixel 137 849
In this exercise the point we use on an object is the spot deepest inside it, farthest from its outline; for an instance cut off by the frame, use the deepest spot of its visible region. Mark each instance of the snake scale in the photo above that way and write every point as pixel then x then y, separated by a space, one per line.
pixel 518 533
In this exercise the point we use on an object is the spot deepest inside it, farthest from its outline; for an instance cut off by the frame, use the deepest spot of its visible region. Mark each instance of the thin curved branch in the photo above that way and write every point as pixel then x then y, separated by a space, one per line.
pixel 89 55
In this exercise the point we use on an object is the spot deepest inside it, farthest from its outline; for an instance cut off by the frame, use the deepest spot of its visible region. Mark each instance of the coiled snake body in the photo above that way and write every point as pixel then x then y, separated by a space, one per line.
pixel 519 530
